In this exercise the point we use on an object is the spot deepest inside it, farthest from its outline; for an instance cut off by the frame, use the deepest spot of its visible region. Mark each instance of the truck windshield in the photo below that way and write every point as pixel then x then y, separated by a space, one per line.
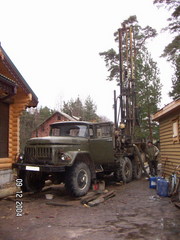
pixel 73 130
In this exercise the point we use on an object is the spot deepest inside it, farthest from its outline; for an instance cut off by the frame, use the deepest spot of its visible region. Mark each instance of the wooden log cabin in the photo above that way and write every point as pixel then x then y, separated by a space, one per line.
pixel 15 96
pixel 169 125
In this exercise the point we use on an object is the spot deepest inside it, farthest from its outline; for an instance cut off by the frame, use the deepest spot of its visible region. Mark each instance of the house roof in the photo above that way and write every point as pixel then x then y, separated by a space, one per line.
pixel 67 116
pixel 59 113
pixel 16 76
pixel 169 108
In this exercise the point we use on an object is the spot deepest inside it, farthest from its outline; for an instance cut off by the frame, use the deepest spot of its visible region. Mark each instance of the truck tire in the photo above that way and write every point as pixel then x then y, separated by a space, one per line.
pixel 32 181
pixel 78 179
pixel 117 172
pixel 137 170
pixel 124 170
pixel 21 175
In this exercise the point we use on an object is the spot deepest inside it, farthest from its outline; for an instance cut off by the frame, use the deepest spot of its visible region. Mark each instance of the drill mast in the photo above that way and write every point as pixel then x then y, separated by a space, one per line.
pixel 126 114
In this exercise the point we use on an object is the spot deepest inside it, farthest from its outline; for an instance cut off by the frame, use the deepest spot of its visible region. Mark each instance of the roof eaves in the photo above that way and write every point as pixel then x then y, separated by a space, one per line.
pixel 17 75
pixel 67 116
pixel 167 109
pixel 8 80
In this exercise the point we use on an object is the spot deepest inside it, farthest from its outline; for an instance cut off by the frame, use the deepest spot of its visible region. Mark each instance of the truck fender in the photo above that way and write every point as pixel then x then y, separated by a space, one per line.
pixel 83 156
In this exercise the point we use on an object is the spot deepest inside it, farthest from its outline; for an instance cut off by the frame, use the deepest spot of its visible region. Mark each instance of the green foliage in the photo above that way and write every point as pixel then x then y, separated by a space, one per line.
pixel 30 120
pixel 148 94
pixel 73 107
pixel 111 57
pixel 147 80
pixel 86 111
pixel 90 110
pixel 172 50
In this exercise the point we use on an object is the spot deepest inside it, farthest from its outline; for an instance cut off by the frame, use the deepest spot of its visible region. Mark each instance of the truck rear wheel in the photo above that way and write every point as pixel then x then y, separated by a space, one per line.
pixel 32 181
pixel 137 169
pixel 124 170
pixel 78 179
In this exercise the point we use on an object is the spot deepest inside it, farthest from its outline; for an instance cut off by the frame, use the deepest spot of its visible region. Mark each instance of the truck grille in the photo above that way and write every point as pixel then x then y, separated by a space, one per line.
pixel 44 154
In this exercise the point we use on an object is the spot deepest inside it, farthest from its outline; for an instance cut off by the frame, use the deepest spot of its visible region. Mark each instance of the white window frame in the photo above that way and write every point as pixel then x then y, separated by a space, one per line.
pixel 175 130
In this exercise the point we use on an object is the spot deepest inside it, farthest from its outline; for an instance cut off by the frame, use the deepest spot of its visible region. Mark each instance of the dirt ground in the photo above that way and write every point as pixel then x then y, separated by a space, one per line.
pixel 136 212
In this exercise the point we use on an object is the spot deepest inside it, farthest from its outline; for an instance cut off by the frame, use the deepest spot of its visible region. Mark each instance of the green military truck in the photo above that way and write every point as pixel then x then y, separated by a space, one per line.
pixel 75 153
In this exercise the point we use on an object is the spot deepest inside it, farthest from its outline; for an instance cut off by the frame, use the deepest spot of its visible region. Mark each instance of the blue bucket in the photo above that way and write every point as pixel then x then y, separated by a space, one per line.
pixel 162 187
pixel 152 182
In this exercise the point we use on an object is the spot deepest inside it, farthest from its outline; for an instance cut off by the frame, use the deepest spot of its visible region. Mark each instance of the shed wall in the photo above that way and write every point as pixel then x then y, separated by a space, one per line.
pixel 170 148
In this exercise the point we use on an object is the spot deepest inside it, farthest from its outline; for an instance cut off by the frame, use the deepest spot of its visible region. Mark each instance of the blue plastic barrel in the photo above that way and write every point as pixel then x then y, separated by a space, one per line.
pixel 152 182
pixel 162 187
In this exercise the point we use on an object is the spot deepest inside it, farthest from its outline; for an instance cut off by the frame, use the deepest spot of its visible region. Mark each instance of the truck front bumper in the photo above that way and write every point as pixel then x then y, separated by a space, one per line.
pixel 38 168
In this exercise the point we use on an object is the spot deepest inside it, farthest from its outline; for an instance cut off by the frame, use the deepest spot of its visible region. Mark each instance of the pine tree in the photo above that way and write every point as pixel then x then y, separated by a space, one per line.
pixel 172 50
pixel 73 107
pixel 147 80
pixel 86 111
pixel 30 120
pixel 90 110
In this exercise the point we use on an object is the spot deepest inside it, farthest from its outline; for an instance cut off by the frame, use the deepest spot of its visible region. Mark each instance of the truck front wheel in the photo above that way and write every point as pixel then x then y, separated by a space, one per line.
pixel 32 181
pixel 78 179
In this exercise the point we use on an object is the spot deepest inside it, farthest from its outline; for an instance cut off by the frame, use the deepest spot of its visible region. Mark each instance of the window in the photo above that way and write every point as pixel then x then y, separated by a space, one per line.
pixel 71 130
pixel 91 134
pixel 103 131
pixel 175 130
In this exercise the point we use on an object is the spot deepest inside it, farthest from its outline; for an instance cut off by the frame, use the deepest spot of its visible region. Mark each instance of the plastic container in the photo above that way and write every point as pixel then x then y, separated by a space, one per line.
pixel 102 185
pixel 162 187
pixel 152 182
pixel 49 196
pixel 95 186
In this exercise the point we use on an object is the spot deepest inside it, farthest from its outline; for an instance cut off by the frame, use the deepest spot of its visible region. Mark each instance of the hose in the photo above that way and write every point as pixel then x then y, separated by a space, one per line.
pixel 140 159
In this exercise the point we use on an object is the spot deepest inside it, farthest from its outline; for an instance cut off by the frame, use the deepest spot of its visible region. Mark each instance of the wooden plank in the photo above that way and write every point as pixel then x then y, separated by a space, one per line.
pixel 8 191
pixel 169 147
pixel 166 128
pixel 59 204
pixel 171 156
pixel 166 134
pixel 101 199
pixel 90 197
pixel 5 160
pixel 5 165
pixel 173 151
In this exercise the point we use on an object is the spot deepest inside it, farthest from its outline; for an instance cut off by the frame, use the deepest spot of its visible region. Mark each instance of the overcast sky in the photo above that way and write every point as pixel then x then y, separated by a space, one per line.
pixel 55 44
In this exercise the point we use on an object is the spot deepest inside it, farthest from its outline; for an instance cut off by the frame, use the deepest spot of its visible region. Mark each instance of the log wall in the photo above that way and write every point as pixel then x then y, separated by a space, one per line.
pixel 21 101
pixel 170 146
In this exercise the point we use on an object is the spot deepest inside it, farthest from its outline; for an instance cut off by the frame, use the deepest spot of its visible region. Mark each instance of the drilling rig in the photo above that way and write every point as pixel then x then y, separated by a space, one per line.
pixel 125 106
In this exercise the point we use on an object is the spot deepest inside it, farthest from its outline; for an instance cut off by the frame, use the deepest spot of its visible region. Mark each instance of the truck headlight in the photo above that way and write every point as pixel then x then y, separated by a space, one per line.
pixel 65 157
pixel 20 158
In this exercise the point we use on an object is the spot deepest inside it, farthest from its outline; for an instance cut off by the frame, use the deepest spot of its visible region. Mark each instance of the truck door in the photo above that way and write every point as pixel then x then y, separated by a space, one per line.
pixel 101 145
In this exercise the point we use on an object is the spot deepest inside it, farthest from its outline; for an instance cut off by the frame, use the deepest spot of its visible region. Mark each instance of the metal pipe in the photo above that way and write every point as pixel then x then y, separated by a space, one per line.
pixel 115 111
pixel 132 85
pixel 140 159
pixel 120 71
